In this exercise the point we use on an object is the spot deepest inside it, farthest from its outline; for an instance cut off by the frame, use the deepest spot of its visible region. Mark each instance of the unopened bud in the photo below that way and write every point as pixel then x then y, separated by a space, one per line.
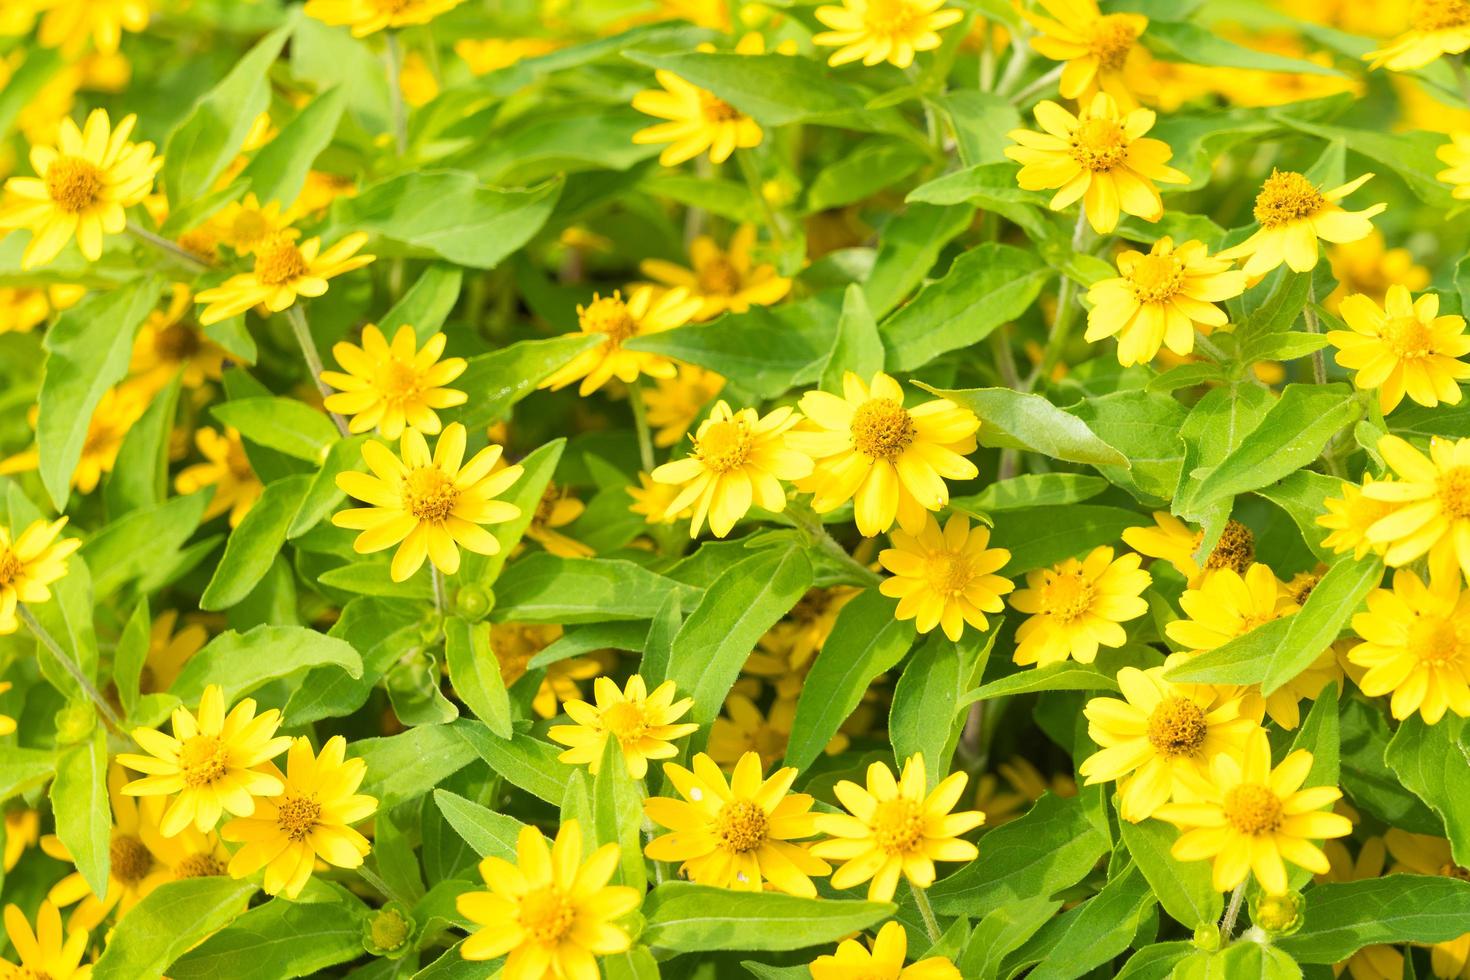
pixel 1278 915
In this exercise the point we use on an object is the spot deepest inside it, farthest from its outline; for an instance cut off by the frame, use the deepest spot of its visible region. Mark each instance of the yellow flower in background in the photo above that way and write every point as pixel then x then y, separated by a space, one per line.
pixel 875 31
pixel 646 311
pixel 1247 817
pixel 651 499
pixel 893 827
pixel 1101 51
pixel 1228 605
pixel 429 506
pixel 1456 156
pixel 45 953
pixel 29 563
pixel 737 835
pixel 1075 606
pixel 114 416
pixel 282 273
pixel 1159 731
pixel 1100 157
pixel 7 727
pixel 82 188
pixel 1416 646
pixel 369 16
pixel 70 24
pixel 890 461
pixel 1369 267
pixel 416 80
pixel 723 281
pixel 169 344
pixel 743 728
pixel 22 309
pixel 1293 213
pixel 247 225
pixel 550 913
pixel 945 578
pixel 1160 299
pixel 738 460
pixel 320 190
pixel 644 723
pixel 1171 540
pixel 388 387
pixel 885 961
pixel 169 651
pixel 227 469
pixel 714 14
pixel 674 404
pixel 1403 347
pixel 557 508
pixel 1283 705
pixel 209 765
pixel 484 55
pixel 1425 855
pixel 1350 516
pixel 22 830
pixel 1436 27
pixel 1432 498
pixel 309 820
pixel 514 644
pixel 698 120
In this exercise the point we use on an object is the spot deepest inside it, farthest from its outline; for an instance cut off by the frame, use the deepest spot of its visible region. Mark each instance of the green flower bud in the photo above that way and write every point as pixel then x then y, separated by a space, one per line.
pixel 387 931
pixel 473 602
pixel 1207 938
pixel 1278 915
pixel 75 722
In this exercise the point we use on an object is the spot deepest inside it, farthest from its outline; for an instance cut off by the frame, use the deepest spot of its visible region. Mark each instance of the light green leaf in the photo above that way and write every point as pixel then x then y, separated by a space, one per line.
pixel 1184 888
pixel 524 761
pixel 139 476
pixel 1301 495
pixel 1433 762
pixel 408 765
pixel 131 655
pixel 83 813
pixel 1065 676
pixel 1327 610
pixel 323 495
pixel 1032 490
pixel 698 918
pixel 283 424
pixel 279 940
pixel 1093 933
pixel 867 169
pixel 278 170
pixel 380 630
pixel 1239 961
pixel 617 815
pixel 909 248
pixel 491 834
pixel 926 716
pixel 1400 908
pixel 1019 420
pixel 475 673
pixel 255 543
pixel 135 543
pixel 427 303
pixel 503 377
pixel 242 662
pixel 1001 931
pixel 1215 426
pixel 1185 41
pixel 542 588
pixel 985 184
pixel 858 348
pixel 169 920
pixel 21 770
pixel 1156 962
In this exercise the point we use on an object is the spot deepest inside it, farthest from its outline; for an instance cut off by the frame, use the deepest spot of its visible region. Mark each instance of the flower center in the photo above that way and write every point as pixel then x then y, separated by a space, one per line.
pixel 248 229
pixel 1110 41
pixel 948 573
pixel 73 184
pixel 1287 196
pixel 1301 585
pixel 1176 727
pixel 1439 15
pixel 893 18
pixel 176 342
pixel 1254 810
pixel 297 816
pixel 1235 550
pixel 1157 278
pixel 199 866
pixel 717 110
pixel 546 915
pixel 741 826
pixel 204 760
pixel 1067 596
pixel 131 861
pixel 1454 492
pixel 1437 642
pixel 724 446
pixel 429 494
pixel 609 315
pixel 626 721
pixel 399 381
pixel 1099 145
pixel 11 568
pixel 1407 337
pixel 898 826
pixel 882 429
pixel 718 277
pixel 1455 871
pixel 279 263
pixel 546 504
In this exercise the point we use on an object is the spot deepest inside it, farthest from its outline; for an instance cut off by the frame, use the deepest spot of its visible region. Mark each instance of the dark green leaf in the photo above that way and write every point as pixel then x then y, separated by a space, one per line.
pixel 278 170
pixel 1401 908
pixel 279 940
pixel 1432 761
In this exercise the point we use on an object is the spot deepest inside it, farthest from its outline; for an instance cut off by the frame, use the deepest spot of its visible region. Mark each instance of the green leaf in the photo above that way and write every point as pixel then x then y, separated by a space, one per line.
pixel 1144 426
pixel 131 655
pixel 632 964
pixel 1093 933
pixel 925 716
pixel 278 170
pixel 909 248
pixel 1245 656
pixel 283 424
pixel 169 920
pixel 69 618
pixel 39 66
pixel 1287 345
pixel 139 476
pixel 1409 154
pixel 21 770
pixel 1432 760
pixel 475 673
pixel 1001 931
pixel 427 303
pixel 83 813
pixel 1018 420
pixel 1065 676
pixel 491 834
pixel 617 815
pixel 241 662
pixel 1185 41
pixel 981 119
pixel 380 631
pixel 858 348
pixel 869 168
pixel 1183 888
pixel 408 765
pixel 1301 495
pixel 134 544
pixel 1156 962
pixel 1041 536
pixel 542 588
pixel 255 543
pixel 323 495
pixel 503 377
pixel 1215 426
pixel 279 940
pixel 985 184
pixel 1032 490
pixel 1366 778
pixel 526 762
pixel 690 918
pixel 1239 961
pixel 1400 908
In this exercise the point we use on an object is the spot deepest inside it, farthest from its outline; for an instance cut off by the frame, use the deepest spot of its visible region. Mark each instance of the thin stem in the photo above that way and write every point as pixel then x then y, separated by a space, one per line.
pixel 931 923
pixel 1227 924
pixel 1015 65
pixel 753 181
pixel 1067 307
pixel 1462 77
pixel 640 423
pixel 650 830
pixel 395 94
pixel 70 665
pixel 297 317
pixel 1209 347
pixel 173 251
pixel 987 59
pixel 1030 92
pixel 817 534
pixel 1319 363
pixel 441 601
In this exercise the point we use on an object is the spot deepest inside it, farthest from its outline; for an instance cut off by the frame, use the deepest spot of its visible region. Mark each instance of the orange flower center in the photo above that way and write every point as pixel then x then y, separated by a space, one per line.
pixel 546 915
pixel 608 315
pixel 717 110
pixel 898 826
pixel 1287 196
pixel 296 816
pixel 131 861
pixel 1235 550
pixel 1099 145
pixel 1176 728
pixel 429 494
pixel 741 826
pixel 882 429
pixel 1157 278
pixel 1110 40
pixel 73 184
pixel 11 568
pixel 203 758
pixel 199 866
pixel 1454 492
pixel 399 381
pixel 1254 810
pixel 1407 337
pixel 724 446
pixel 626 721
pixel 718 277
pixel 279 263
pixel 1437 642
pixel 1439 15
pixel 948 573
pixel 1067 596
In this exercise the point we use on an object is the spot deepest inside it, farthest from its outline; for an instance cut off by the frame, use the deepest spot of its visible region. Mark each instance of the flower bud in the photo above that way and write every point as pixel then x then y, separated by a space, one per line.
pixel 1278 915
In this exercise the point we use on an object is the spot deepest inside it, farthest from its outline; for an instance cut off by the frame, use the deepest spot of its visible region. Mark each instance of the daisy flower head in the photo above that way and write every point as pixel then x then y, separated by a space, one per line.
pixel 738 460
pixel 116 412
pixel 430 506
pixel 1228 605
pixel 71 24
pixel 283 272
pixel 1350 516
pixel 697 121
pixel 1101 51
pixel 169 343
pixel 210 765
pixel 875 31
pixel 1161 299
pixel 1293 214
pixel 644 723
pixel 945 577
pixel 370 16
pixel 884 961
pixel 1171 540
pixel 29 563
pixel 227 469
pixel 1248 818
pixel 723 280
pixel 390 386
pixel 1436 27
pixel 892 828
pixel 1369 266
pixel 1076 606
pixel 82 188
pixel 1456 156
pixel 1432 498
pixel 248 225
pixel 737 834
pixel 1100 157
pixel 1416 646
pixel 889 460
pixel 46 952
pixel 1403 347
pixel 647 310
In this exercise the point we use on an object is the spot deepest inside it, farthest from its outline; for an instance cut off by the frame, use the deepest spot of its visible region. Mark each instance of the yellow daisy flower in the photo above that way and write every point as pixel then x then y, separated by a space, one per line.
pixel 1283 705
pixel 428 503
pixel 1100 157
pixel 1369 266
pixel 227 469
pixel 211 762
pixel 1350 516
pixel 1171 540
pixel 111 421
pixel 723 281
pixel 738 459
pixel 1160 299
pixel 514 644
pixel 894 827
pixel 890 461
pixel 22 830
pixel 698 120
pixel 1456 156
pixel 673 404
pixel 29 563
pixel 1247 817
pixel 22 309
pixel 70 24
pixel 1228 605
pixel 884 30
pixel 309 820
pixel 1101 51
pixel 248 225
pixel 282 273
pixel 944 578
pixel 1436 27
pixel 82 188
pixel 1403 347
pixel 169 651
pixel 646 311
pixel 645 725
pixel 388 387
pixel 369 16
pixel 743 728
pixel 1432 494
pixel 484 55
pixel 1076 605
pixel 1416 646
pixel 550 914
pixel 44 953
pixel 736 835
pixel 1293 213
pixel 885 961
pixel 1425 855
pixel 169 344
pixel 557 508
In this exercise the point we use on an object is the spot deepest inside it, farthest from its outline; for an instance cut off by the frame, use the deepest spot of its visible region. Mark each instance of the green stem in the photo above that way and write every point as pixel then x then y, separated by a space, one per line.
pixel 931 923
pixel 640 423
pixel 297 318
pixel 1309 312
pixel 1227 924
pixel 811 525
pixel 70 666
pixel 441 601
pixel 172 250
pixel 1209 347
pixel 395 93
pixel 1029 94
pixel 1067 307
pixel 753 181
pixel 650 831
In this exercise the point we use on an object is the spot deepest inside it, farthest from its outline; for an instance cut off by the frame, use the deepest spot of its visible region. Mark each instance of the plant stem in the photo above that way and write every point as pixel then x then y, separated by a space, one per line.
pixel 70 665
pixel 660 873
pixel 297 317
pixel 640 423
pixel 395 93
pixel 1227 924
pixel 1319 363
pixel 441 601
pixel 173 251
pixel 811 525
pixel 927 911
pixel 1208 346
pixel 1030 92
pixel 1067 306
pixel 987 60
pixel 753 181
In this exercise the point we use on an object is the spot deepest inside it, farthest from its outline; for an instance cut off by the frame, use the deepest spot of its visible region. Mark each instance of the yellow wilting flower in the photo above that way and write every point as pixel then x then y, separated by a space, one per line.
pixel 169 651
pixel 1293 214
pixel 82 188
pixel 1456 155
pixel 645 725
pixel 890 461
pixel 248 225
pixel 723 281
pixel 1101 51
pixel 211 761
pixel 429 504
pixel 698 120
pixel 484 55
pixel 227 469
pixel 1100 157
pixel 369 16
pixel 282 273
pixel 944 578
pixel 646 311
pixel 1171 539
pixel 557 509
pixel 1432 495
pixel 895 828
pixel 1228 605
pixel 70 24
pixel 44 953
pixel 514 644
pixel 1416 646
pixel 310 819
pixel 549 913
pixel 1426 855
pixel 1160 299
pixel 738 459
pixel 1158 732
pixel 1248 817
pixel 1403 347
pixel 884 962
pixel 167 344
pixel 1369 267
pixel 386 386
pixel 673 404
pixel 1436 27
pixel 736 835
pixel 29 563
pixel 1076 606
pixel 884 30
